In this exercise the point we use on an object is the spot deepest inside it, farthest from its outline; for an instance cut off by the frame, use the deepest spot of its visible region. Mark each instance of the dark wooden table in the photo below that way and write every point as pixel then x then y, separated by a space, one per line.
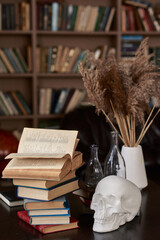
pixel 146 227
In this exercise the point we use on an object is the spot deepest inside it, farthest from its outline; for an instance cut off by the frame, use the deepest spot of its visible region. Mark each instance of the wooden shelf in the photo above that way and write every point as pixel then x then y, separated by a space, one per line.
pixel 15 32
pixel 76 33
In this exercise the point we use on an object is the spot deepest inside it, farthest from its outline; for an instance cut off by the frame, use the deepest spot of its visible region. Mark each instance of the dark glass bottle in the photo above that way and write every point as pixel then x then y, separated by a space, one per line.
pixel 94 172
pixel 114 163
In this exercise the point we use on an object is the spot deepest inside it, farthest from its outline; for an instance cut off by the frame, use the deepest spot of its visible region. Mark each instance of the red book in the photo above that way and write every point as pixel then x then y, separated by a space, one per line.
pixel 23 215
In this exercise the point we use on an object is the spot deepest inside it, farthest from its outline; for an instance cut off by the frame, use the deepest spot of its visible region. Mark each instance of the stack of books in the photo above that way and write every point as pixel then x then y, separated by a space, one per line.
pixel 44 172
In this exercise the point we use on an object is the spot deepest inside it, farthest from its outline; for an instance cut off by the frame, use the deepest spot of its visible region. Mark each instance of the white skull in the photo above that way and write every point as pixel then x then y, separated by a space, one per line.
pixel 115 202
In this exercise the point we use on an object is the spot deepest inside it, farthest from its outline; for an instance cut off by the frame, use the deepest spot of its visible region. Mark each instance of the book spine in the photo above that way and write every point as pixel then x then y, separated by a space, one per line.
pixel 23 102
pixel 54 23
pixel 2 95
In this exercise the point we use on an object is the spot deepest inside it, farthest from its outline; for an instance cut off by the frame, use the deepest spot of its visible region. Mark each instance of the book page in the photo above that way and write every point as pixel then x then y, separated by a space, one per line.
pixel 18 163
pixel 47 141
pixel 37 155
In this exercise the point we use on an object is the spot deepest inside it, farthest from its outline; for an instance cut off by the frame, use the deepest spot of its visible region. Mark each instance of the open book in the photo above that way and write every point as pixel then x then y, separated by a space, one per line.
pixel 43 154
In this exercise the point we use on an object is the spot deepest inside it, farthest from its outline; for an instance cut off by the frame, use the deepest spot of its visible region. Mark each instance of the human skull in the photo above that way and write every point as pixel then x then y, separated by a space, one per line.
pixel 116 201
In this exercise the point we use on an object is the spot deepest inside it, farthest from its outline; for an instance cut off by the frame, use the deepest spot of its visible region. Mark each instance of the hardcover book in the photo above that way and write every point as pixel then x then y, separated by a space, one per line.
pixel 10 198
pixel 48 194
pixel 33 204
pixel 73 223
pixel 37 183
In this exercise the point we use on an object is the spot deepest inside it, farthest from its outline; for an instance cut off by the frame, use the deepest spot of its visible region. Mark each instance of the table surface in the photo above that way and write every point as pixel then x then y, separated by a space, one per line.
pixel 146 226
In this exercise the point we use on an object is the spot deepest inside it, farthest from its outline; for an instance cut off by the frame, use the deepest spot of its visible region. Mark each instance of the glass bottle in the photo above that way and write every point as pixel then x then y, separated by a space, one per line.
pixel 94 172
pixel 114 163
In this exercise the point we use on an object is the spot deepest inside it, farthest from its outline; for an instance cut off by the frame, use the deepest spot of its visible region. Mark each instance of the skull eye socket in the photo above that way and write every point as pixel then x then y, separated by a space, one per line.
pixel 111 200
pixel 95 201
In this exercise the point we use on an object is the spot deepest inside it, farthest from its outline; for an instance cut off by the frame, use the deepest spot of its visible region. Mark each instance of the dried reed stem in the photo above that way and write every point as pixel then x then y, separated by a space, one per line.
pixel 112 125
pixel 144 127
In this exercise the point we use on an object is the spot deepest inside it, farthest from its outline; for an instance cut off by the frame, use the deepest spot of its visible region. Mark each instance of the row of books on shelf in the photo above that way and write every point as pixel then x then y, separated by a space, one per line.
pixel 59 101
pixel 13 103
pixel 57 16
pixel 139 18
pixel 13 61
pixel 15 16
pixel 130 44
pixel 66 59
pixel 51 177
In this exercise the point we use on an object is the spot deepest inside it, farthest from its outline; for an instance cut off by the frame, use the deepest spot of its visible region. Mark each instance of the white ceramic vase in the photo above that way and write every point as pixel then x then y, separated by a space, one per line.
pixel 135 168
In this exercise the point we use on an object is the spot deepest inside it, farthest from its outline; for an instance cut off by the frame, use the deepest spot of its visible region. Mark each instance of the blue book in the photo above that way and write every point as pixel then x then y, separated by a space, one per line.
pixel 65 211
pixel 54 17
pixel 34 204
pixel 132 37
pixel 50 193
pixel 61 100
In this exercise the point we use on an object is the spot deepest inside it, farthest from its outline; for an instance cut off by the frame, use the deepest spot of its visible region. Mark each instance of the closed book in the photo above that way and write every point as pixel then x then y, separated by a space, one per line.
pixel 20 69
pixel 110 19
pixel 73 223
pixel 4 109
pixel 92 19
pixel 73 59
pixel 63 58
pixel 54 99
pixel 32 204
pixel 6 62
pixel 6 103
pixel 43 183
pixel 49 220
pixel 18 102
pixel 80 58
pixel 21 59
pixel 68 59
pixel 11 59
pixel 79 18
pixel 73 100
pixel 84 18
pixel 73 18
pixel 42 98
pixel 135 3
pixel 48 194
pixel 3 68
pixel 70 94
pixel 65 211
pixel 10 198
pixel 141 13
pixel 23 102
pixel 48 96
pixel 54 19
pixel 104 19
pixel 58 58
pixel 64 17
pixel 53 58
pixel 99 19
pixel 70 9
pixel 45 16
pixel 11 103
pixel 153 19
pixel 49 212
pixel 61 100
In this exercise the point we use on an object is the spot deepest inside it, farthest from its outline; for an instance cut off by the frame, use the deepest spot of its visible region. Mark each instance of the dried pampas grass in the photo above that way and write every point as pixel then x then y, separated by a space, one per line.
pixel 122 90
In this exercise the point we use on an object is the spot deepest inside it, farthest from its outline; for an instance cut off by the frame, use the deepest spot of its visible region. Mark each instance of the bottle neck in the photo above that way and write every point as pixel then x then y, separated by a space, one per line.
pixel 94 152
pixel 114 139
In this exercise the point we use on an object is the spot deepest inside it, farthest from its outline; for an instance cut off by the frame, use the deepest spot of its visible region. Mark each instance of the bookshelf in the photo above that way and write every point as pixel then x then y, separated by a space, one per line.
pixel 29 83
